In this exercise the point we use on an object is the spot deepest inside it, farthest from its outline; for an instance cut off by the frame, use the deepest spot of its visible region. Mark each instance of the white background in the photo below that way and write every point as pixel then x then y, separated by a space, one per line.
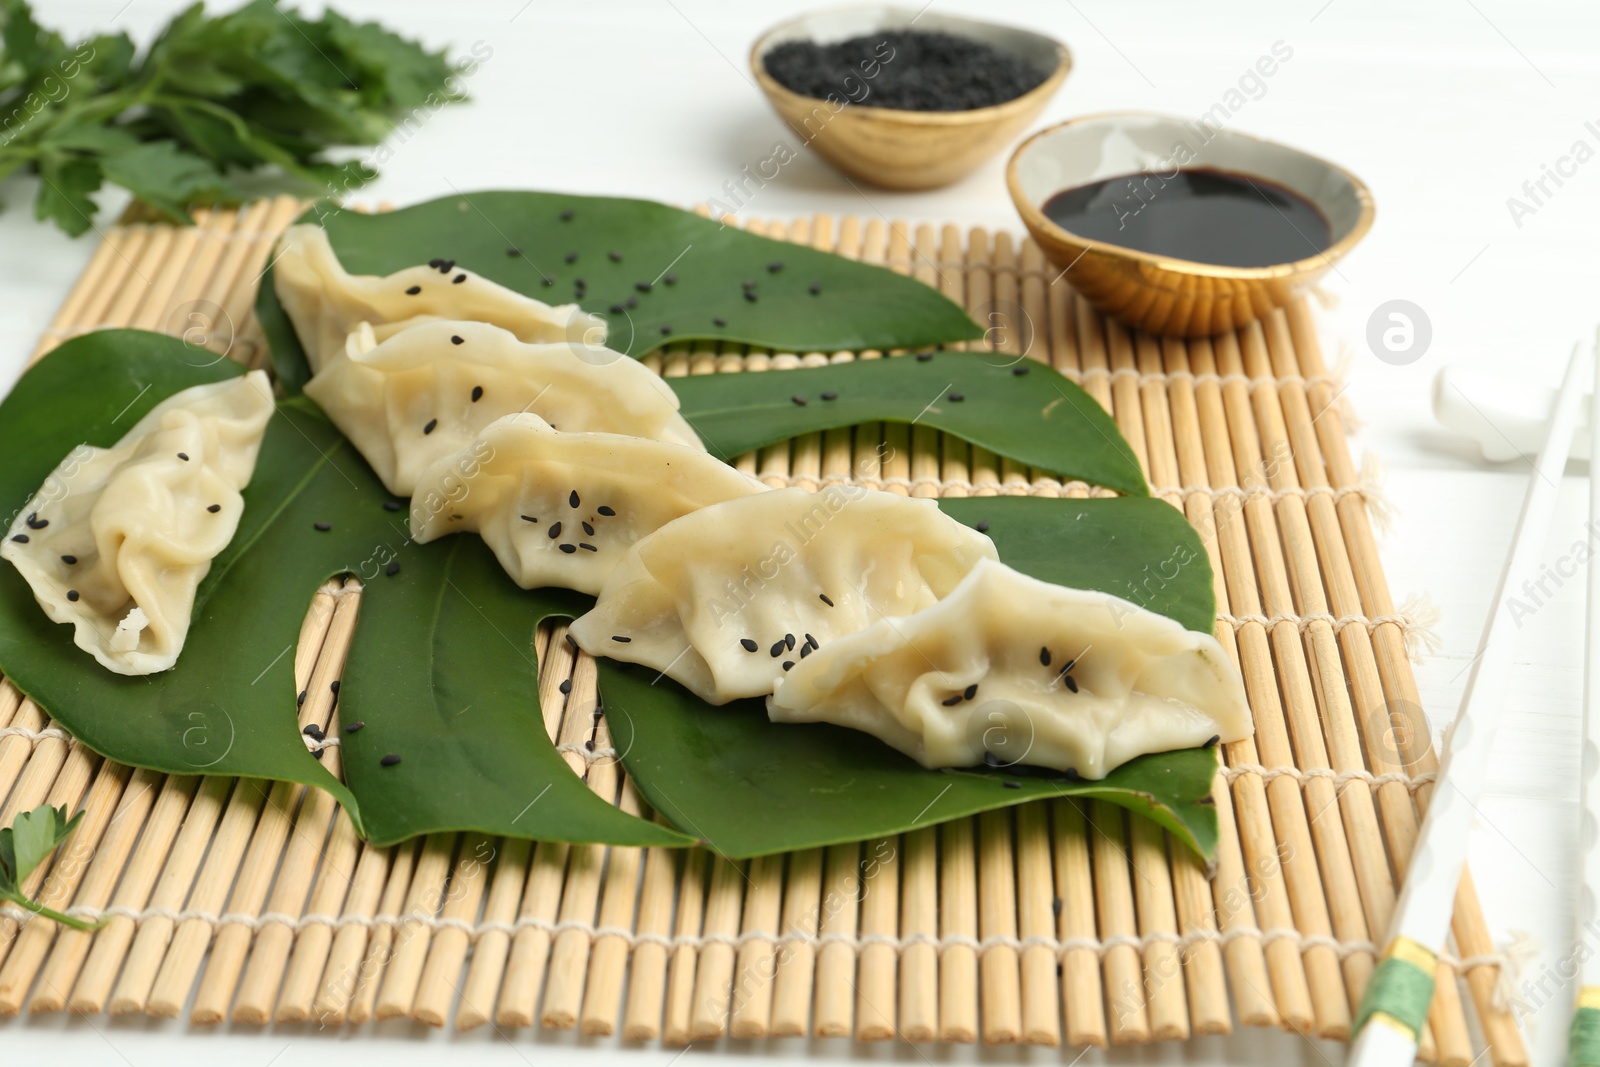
pixel 1445 108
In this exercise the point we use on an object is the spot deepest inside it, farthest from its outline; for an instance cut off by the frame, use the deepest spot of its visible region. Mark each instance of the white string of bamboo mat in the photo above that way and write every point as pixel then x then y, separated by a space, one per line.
pixel 857 942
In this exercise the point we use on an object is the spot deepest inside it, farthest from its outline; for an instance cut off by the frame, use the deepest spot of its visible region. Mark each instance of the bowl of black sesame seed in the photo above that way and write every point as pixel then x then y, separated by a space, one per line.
pixel 902 98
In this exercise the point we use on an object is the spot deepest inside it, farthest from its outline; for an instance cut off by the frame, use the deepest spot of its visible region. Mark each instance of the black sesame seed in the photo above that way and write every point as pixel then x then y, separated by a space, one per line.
pixel 665 329
pixel 619 639
pixel 477 393
pixel 670 279
pixel 214 508
pixel 824 598
pixel 432 425
pixel 572 257
pixel 20 539
pixel 1055 907
pixel 805 650
pixel 719 323
pixel 36 523
pixel 751 296
pixel 1072 775
pixel 778 648
pixel 788 641
pixel 983 526
pixel 747 284
pixel 829 394
pixel 446 266
pixel 749 645
pixel 322 526
pixel 615 257
pixel 615 309
pixel 799 401
pixel 69 560
pixel 333 687
pixel 434 262
pixel 991 760
pixel 565 686
pixel 815 289
pixel 392 505
pixel 572 642
pixel 355 727
pixel 566 216
pixel 1020 369
pixel 572 499
pixel 588 745
pixel 312 730
pixel 631 302
pixel 951 702
pixel 392 569
pixel 318 753
pixel 458 279
pixel 774 267
pixel 970 691
pixel 1044 656
pixel 643 287
pixel 1215 739
pixel 456 339
pixel 547 280
pixel 587 528
pixel 184 456
pixel 812 641
pixel 513 251
pixel 788 663
pixel 414 290
pixel 555 530
pixel 957 397
pixel 301 699
pixel 389 761
pixel 923 357
pixel 587 547
pixel 72 595
pixel 606 511
pixel 579 282
pixel 1009 784
pixel 568 549
pixel 1071 683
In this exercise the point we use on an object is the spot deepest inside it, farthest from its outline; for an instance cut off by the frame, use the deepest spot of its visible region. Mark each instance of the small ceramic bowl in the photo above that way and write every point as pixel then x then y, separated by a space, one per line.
pixel 899 149
pixel 1157 293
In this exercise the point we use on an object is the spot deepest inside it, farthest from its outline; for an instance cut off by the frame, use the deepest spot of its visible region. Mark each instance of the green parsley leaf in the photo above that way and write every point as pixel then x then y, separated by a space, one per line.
pixel 27 843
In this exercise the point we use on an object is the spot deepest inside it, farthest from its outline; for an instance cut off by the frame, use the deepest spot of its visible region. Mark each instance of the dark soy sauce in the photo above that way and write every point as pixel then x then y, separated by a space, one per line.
pixel 1199 214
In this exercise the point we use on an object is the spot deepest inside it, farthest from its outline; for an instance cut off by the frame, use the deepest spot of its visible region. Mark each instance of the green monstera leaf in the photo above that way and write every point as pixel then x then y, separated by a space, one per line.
pixel 654 273
pixel 751 787
pixel 442 670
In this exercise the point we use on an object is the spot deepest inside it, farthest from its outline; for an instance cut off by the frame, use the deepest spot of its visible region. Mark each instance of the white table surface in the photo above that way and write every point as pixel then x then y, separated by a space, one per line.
pixel 1445 107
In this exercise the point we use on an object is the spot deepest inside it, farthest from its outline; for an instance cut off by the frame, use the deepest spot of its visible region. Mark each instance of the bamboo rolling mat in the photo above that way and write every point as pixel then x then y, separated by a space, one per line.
pixel 1050 923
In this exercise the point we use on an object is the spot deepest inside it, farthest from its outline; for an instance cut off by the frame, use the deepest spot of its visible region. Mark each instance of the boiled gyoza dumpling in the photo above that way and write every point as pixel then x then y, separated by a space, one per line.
pixel 1025 672
pixel 727 598
pixel 118 538
pixel 325 303
pixel 428 390
pixel 562 509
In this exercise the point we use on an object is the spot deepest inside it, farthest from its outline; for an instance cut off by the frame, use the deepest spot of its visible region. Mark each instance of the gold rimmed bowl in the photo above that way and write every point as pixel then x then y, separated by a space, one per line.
pixel 1161 294
pixel 894 148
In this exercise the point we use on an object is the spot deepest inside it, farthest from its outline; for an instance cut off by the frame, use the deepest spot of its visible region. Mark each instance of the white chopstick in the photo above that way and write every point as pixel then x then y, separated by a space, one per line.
pixel 1583 1039
pixel 1398 995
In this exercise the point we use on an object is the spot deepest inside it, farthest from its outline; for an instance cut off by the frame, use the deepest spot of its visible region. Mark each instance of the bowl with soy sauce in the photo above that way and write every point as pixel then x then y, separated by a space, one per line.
pixel 1182 227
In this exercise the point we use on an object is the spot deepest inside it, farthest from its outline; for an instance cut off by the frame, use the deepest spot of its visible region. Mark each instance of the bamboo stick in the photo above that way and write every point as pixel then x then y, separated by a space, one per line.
pixel 919 920
pixel 647 976
pixel 423 900
pixel 708 1015
pixel 1076 921
pixel 346 971
pixel 880 904
pixel 677 1010
pixel 796 957
pixel 608 961
pixel 756 966
pixel 999 966
pixel 448 952
pixel 355 996
pixel 841 893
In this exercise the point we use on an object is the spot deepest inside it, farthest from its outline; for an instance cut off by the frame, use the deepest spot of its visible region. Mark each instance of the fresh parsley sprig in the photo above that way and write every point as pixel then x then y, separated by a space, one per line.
pixel 262 86
pixel 24 845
